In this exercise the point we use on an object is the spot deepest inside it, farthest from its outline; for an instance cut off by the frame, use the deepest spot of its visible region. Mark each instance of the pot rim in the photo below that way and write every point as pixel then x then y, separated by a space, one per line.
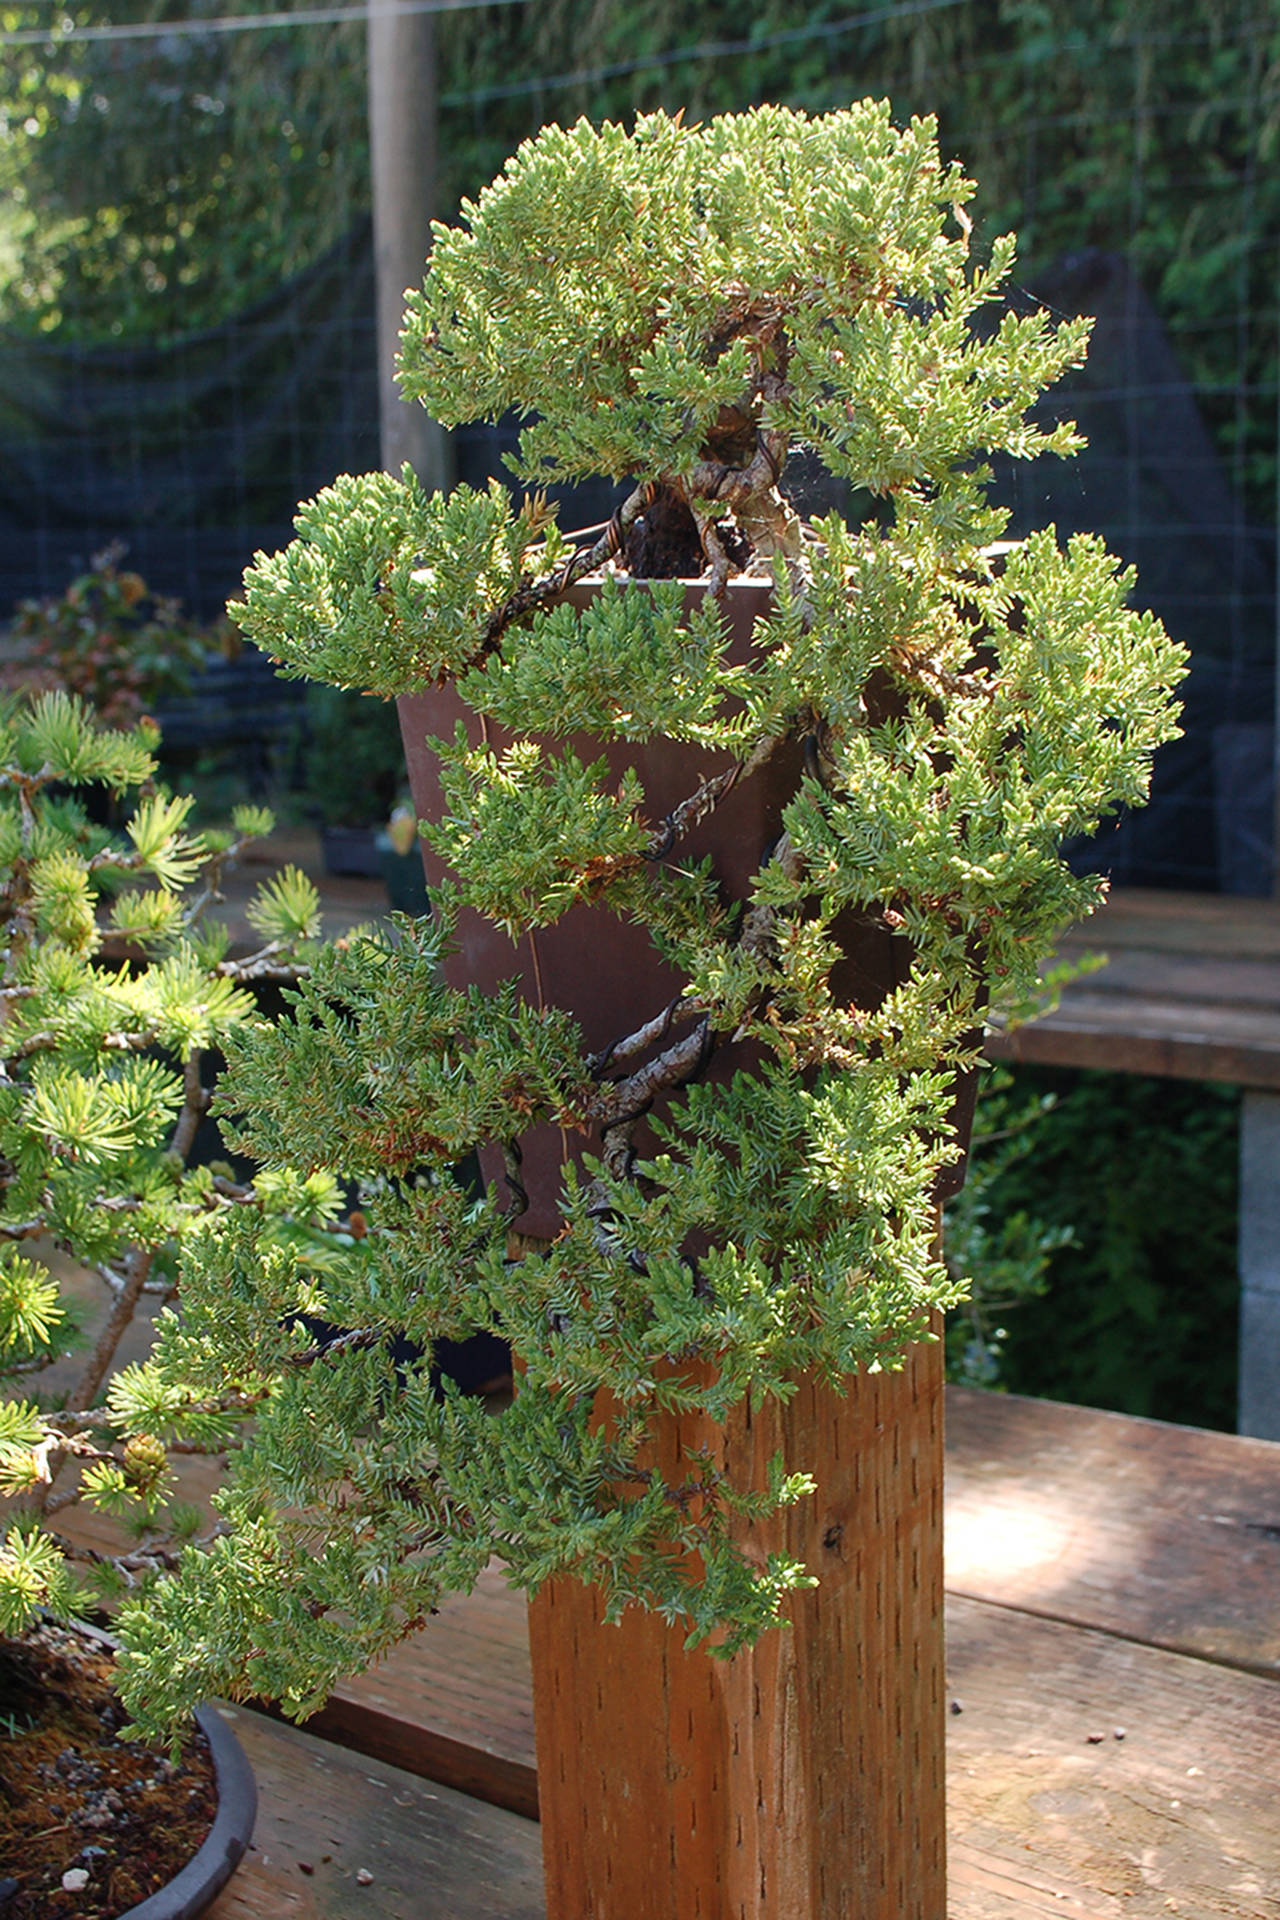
pixel 194 1887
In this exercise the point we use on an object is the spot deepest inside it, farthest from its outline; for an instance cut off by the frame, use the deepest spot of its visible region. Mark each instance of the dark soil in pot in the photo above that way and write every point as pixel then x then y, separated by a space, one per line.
pixel 75 1798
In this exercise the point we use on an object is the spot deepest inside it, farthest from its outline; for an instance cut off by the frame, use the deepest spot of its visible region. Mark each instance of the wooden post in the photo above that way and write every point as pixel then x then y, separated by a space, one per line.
pixel 1275 695
pixel 1259 1258
pixel 402 155
pixel 802 1780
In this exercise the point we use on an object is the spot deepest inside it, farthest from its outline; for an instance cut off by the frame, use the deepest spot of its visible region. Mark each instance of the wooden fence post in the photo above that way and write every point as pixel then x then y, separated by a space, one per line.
pixel 402 159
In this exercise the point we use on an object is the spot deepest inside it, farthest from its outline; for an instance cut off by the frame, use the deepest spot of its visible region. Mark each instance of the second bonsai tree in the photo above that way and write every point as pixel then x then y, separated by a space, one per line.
pixel 736 823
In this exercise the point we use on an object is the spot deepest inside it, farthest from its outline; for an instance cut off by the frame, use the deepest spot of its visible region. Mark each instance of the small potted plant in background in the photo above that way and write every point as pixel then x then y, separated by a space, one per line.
pixel 351 773
pixel 735 825
pixel 116 989
pixel 353 785
pixel 108 638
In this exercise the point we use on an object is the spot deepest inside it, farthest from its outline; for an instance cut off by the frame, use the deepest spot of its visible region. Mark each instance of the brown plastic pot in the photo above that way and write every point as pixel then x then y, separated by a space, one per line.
pixel 594 964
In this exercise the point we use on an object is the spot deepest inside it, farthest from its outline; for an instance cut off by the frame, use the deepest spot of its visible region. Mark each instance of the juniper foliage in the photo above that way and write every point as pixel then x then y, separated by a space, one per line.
pixel 681 307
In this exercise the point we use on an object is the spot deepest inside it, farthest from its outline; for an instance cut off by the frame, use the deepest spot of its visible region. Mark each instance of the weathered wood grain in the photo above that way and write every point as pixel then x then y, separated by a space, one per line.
pixel 1219 980
pixel 1164 1534
pixel 1122 1033
pixel 1191 991
pixel 801 1780
pixel 455 1702
pixel 1231 925
pixel 325 1817
pixel 1049 1812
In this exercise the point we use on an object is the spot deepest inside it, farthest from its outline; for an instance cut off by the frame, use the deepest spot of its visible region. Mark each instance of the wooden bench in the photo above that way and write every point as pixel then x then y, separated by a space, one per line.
pixel 1114 1673
pixel 1191 990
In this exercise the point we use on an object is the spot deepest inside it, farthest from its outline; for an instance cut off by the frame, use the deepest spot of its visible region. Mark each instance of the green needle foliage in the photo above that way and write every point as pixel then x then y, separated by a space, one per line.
pixel 680 308
pixel 112 994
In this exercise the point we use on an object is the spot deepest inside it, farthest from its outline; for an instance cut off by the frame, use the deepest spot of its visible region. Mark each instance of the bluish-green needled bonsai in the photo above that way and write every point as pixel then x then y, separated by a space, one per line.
pixel 751 1160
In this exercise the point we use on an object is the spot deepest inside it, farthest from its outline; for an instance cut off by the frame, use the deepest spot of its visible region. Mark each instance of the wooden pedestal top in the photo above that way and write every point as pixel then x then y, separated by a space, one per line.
pixel 1114 1667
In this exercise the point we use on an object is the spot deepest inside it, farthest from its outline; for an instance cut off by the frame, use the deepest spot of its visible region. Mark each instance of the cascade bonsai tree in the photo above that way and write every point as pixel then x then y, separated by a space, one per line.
pixel 746 1165
pixel 115 990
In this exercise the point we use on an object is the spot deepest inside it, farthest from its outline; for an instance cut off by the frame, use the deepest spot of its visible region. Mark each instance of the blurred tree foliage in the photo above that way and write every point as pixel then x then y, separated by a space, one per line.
pixel 156 185
pixel 1140 1309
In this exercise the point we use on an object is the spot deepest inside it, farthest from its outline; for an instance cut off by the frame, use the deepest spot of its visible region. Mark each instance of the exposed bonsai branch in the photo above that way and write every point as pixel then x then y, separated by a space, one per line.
pixel 511 1169
pixel 618 1148
pixel 22 1229
pixel 156 1558
pixel 751 491
pixel 717 554
pixel 59 1502
pixel 19 1368
pixel 619 1052
pixel 195 1104
pixel 137 1271
pixel 65 1420
pixel 353 1341
pixel 628 1099
pixel 266 964
pixel 760 922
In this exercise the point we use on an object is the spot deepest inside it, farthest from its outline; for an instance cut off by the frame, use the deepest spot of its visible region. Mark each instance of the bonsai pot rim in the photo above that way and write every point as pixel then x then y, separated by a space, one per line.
pixel 195 1887
pixel 192 1891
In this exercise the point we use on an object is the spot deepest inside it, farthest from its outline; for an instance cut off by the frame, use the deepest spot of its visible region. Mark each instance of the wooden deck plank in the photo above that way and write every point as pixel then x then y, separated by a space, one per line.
pixel 455 1699
pixel 1126 1530
pixel 1191 991
pixel 1173 1040
pixel 1178 1816
pixel 433 1854
pixel 1166 1534
pixel 1232 925
pixel 1216 981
